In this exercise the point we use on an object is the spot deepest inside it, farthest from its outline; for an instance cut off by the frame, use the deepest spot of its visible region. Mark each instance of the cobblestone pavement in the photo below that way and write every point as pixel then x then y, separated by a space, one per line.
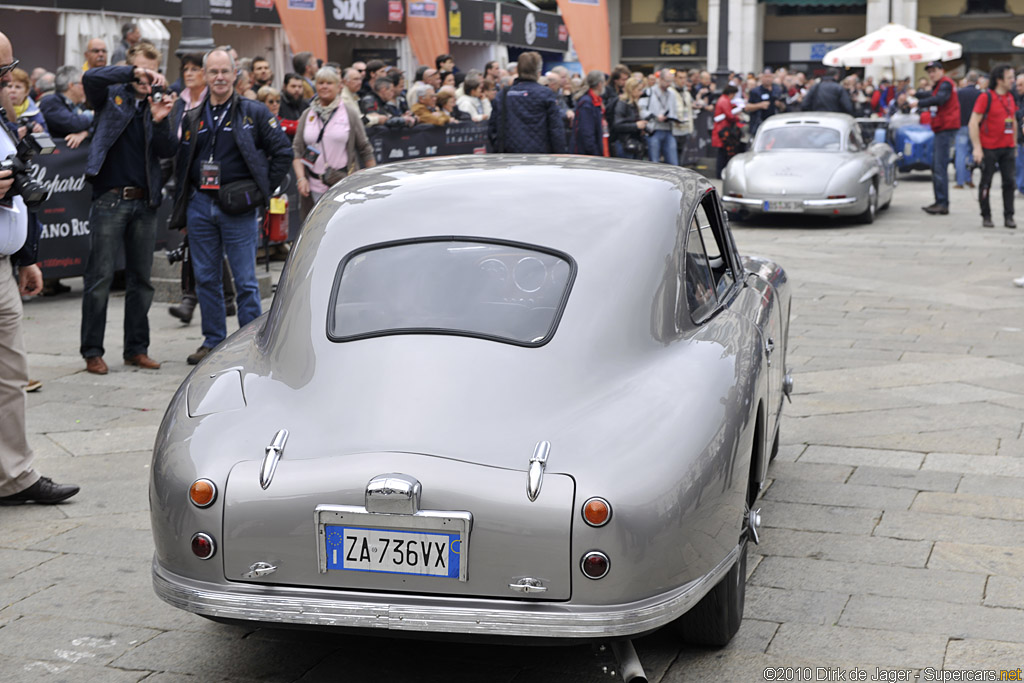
pixel 895 518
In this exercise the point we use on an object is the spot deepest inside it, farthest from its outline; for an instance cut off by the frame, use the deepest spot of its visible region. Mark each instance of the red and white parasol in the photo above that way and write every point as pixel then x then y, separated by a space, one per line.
pixel 893 42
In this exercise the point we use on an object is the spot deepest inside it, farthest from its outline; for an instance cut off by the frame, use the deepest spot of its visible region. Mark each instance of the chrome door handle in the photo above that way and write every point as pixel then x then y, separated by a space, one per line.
pixel 528 586
pixel 258 569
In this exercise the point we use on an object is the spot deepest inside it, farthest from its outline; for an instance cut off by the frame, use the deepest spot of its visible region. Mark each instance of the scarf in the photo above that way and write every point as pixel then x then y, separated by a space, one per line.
pixel 325 111
pixel 599 103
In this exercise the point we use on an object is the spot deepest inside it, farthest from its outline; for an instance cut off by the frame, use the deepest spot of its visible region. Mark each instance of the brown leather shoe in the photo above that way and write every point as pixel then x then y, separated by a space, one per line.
pixel 141 360
pixel 95 365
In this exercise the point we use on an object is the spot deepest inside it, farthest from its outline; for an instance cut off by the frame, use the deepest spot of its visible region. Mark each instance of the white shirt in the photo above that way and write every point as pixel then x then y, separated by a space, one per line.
pixel 14 218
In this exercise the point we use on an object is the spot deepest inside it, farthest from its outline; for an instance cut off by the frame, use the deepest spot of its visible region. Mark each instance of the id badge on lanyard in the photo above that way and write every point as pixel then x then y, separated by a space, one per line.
pixel 209 170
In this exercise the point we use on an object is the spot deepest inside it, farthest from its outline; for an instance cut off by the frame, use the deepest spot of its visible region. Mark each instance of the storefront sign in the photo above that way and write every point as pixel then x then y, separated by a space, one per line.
pixel 373 16
pixel 538 30
pixel 295 4
pixel 427 141
pixel 472 20
pixel 810 52
pixel 664 48
pixel 425 10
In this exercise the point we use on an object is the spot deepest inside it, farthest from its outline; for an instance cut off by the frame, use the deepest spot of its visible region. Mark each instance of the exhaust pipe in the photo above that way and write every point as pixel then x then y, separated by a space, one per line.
pixel 629 664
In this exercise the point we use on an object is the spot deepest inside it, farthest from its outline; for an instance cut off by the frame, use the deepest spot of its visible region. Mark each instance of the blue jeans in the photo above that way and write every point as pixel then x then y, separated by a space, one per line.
pixel 940 166
pixel 661 142
pixel 212 234
pixel 964 149
pixel 112 222
pixel 1020 168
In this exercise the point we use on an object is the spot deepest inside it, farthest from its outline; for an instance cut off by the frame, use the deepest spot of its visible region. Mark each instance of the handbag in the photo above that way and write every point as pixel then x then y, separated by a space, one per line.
pixel 240 197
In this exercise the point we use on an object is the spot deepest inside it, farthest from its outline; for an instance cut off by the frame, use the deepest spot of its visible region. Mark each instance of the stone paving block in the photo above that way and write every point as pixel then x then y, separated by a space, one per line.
pixel 58 416
pixel 804 517
pixel 809 471
pixel 883 648
pixel 93 474
pixel 915 480
pixel 1011 447
pixel 841 495
pixel 869 579
pixel 844 402
pixel 61 639
pixel 932 616
pixel 13 562
pixel 970 505
pixel 104 538
pixel 1013 384
pixel 785 606
pixel 975 441
pixel 31 529
pixel 948 393
pixel 978 559
pixel 788 452
pixel 997 465
pixel 858 457
pixel 19 670
pixel 977 654
pixel 1005 591
pixel 907 374
pixel 932 527
pixel 1005 487
pixel 210 657
pixel 44 447
pixel 114 440
pixel 845 547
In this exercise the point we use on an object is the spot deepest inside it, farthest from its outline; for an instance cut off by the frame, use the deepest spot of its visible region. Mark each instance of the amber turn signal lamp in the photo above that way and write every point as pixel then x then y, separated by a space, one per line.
pixel 203 546
pixel 202 493
pixel 597 512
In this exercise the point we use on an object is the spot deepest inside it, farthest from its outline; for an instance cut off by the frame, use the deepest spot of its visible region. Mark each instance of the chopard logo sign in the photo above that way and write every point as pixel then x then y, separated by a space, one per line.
pixel 57 183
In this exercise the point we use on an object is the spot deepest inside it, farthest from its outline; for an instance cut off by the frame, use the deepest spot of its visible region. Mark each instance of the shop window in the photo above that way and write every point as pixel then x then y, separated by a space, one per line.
pixel 679 10
pixel 986 7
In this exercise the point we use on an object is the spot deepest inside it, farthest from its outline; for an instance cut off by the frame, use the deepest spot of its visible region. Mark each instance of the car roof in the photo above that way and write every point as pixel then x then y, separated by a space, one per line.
pixel 828 119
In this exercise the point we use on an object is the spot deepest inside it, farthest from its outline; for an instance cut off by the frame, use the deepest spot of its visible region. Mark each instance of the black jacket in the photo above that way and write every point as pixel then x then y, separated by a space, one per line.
pixel 526 120
pixel 968 95
pixel 61 116
pixel 828 96
pixel 292 109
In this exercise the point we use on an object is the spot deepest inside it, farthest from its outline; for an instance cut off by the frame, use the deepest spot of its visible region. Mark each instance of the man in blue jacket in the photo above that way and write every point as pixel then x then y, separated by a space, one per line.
pixel 131 135
pixel 526 118
pixel 232 156
pixel 63 110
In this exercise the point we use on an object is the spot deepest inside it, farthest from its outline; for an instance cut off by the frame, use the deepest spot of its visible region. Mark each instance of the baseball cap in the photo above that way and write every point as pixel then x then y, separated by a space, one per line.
pixel 934 65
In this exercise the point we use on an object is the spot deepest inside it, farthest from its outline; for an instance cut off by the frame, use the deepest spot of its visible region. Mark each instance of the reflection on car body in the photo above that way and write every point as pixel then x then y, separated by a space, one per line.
pixel 551 425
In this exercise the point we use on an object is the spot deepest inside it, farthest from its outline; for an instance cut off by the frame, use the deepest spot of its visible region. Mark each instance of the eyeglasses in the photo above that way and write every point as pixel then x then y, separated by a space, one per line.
pixel 8 68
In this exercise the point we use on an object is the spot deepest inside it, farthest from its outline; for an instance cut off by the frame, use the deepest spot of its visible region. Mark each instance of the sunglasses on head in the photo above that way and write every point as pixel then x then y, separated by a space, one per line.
pixel 8 68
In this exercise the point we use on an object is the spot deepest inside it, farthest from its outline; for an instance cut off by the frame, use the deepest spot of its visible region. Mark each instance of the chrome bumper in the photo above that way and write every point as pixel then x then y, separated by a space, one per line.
pixel 316 607
pixel 807 203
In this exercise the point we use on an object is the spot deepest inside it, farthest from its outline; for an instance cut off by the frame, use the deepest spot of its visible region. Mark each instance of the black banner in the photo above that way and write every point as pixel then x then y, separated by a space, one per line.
pixel 537 30
pixel 427 141
pixel 472 20
pixel 372 16
pixel 64 245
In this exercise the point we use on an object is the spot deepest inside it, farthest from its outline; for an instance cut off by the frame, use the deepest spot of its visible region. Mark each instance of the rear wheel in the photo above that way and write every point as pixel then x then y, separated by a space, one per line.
pixel 868 217
pixel 715 619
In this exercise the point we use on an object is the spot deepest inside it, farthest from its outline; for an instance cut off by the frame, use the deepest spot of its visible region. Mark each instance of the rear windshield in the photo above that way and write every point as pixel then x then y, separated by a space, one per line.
pixel 790 137
pixel 508 292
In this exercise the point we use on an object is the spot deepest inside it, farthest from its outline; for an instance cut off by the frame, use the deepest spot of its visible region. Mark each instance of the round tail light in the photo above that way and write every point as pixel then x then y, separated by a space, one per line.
pixel 595 564
pixel 203 546
pixel 202 493
pixel 597 512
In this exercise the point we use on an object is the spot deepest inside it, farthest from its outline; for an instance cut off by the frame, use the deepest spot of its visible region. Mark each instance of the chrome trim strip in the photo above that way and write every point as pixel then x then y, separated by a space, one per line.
pixel 826 203
pixel 273 453
pixel 280 604
pixel 728 199
pixel 535 477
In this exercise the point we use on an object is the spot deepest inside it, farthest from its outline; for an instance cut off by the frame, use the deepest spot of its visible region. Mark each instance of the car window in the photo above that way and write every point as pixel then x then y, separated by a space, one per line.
pixel 798 137
pixel 707 217
pixel 507 292
pixel 700 286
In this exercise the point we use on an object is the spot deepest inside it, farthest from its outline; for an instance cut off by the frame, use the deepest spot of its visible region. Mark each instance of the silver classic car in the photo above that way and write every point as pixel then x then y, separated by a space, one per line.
pixel 810 162
pixel 477 407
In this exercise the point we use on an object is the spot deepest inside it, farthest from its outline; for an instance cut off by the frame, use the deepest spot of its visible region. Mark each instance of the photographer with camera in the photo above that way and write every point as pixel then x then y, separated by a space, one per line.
pixel 132 133
pixel 19 482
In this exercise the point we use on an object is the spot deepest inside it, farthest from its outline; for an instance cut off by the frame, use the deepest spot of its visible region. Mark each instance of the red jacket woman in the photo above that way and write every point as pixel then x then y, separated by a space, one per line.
pixel 725 120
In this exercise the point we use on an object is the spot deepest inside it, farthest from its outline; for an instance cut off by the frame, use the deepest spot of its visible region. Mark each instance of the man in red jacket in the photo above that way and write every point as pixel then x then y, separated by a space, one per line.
pixel 945 108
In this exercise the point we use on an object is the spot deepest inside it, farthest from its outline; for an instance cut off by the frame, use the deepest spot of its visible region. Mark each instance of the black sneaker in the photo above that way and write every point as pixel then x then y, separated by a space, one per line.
pixel 43 492
pixel 987 222
pixel 1009 222
pixel 201 353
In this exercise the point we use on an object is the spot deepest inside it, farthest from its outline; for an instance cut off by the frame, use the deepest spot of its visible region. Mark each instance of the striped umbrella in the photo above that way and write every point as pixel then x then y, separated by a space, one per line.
pixel 891 43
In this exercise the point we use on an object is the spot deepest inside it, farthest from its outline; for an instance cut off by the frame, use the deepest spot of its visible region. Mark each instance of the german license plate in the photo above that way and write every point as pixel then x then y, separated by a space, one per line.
pixel 787 206
pixel 422 553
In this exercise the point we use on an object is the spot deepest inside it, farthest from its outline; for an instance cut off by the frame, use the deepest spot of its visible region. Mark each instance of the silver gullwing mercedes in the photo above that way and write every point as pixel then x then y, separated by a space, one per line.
pixel 810 162
pixel 477 408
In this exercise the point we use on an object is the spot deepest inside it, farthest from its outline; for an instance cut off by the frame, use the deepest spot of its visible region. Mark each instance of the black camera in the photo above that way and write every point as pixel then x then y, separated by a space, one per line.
pixel 157 93
pixel 175 255
pixel 32 191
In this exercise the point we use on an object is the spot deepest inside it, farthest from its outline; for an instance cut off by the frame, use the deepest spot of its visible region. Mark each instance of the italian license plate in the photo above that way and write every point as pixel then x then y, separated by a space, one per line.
pixel 787 206
pixel 422 553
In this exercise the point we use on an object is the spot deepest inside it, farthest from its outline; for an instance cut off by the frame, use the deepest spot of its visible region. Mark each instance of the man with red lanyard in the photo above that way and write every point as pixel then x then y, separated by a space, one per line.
pixel 945 123
pixel 727 122
pixel 993 130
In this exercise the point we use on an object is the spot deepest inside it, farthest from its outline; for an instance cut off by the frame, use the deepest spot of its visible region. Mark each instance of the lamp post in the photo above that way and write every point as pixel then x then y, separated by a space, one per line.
pixel 196 28
pixel 722 72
